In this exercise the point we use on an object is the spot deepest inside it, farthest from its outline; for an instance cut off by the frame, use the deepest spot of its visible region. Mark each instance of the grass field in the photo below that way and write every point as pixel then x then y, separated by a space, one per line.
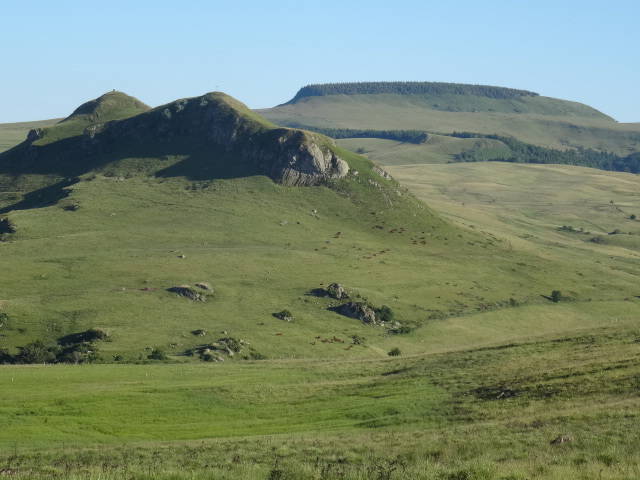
pixel 527 204
pixel 487 413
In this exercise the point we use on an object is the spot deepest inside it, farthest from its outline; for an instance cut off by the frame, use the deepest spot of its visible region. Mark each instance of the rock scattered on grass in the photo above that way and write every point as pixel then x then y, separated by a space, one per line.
pixel 204 286
pixel 561 439
pixel 188 292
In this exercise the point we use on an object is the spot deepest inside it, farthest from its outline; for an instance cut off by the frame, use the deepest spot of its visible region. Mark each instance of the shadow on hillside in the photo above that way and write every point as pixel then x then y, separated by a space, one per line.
pixel 69 159
pixel 42 197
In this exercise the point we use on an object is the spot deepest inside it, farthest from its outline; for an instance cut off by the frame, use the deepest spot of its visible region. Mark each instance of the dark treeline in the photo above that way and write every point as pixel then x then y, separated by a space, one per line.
pixel 409 88
pixel 407 136
pixel 526 153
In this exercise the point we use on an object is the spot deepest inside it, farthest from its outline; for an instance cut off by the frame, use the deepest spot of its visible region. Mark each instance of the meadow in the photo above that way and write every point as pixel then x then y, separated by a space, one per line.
pixel 482 413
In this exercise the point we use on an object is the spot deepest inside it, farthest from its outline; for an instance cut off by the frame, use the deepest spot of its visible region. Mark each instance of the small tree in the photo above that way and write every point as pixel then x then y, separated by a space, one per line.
pixel 556 296
pixel 394 352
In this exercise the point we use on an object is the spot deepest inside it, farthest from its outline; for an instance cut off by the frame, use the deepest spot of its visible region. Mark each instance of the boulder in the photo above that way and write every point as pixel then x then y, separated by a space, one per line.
pixel 337 291
pixel 359 310
pixel 188 292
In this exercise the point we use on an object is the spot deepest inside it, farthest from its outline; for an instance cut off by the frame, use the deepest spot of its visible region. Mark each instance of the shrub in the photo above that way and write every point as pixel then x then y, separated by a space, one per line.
pixel 394 352
pixel 37 352
pixel 5 356
pixel 284 315
pixel 5 321
pixel 7 226
pixel 400 330
pixel 556 296
pixel 78 353
pixel 253 355
pixel 385 314
pixel 157 354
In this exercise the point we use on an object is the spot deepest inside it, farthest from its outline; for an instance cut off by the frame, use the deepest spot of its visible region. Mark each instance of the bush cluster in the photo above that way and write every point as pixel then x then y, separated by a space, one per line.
pixel 73 348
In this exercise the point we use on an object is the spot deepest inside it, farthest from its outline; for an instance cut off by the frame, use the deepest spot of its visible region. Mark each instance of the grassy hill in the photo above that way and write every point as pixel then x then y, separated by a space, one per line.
pixel 531 118
pixel 491 370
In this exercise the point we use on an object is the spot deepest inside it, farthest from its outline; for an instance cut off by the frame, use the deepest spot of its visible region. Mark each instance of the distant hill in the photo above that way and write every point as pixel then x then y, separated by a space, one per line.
pixel 448 108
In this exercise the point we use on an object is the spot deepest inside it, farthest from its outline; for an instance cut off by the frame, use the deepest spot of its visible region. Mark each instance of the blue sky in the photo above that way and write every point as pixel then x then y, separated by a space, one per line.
pixel 58 54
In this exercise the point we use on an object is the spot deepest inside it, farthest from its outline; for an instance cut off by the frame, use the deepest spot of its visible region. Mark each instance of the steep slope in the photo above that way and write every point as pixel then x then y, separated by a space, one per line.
pixel 448 108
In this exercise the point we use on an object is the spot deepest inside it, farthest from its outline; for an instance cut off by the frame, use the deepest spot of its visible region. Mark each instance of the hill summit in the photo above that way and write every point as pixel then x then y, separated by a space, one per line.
pixel 211 136
pixel 110 106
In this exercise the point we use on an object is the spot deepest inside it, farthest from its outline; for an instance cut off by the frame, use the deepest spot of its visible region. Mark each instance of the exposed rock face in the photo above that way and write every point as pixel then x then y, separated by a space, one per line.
pixel 360 311
pixel 34 134
pixel 300 161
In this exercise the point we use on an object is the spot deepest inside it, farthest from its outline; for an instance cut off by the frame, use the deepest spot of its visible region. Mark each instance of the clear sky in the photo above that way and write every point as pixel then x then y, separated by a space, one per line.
pixel 58 54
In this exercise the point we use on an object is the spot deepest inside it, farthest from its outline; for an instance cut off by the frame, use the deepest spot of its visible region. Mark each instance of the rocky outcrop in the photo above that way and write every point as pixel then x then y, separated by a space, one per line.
pixel 360 311
pixel 337 291
pixel 34 134
pixel 301 161
pixel 221 133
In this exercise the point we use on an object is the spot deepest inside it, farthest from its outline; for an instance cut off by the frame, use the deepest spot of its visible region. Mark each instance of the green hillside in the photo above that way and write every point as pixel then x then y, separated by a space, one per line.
pixel 182 257
pixel 531 118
